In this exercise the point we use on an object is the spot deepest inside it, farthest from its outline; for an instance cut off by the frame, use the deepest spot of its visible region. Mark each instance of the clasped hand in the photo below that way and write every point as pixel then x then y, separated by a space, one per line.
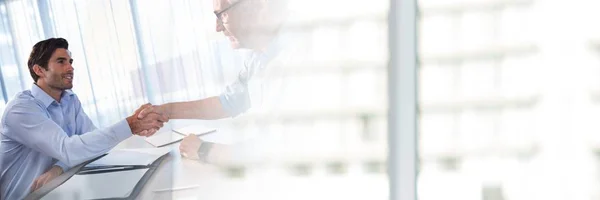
pixel 146 120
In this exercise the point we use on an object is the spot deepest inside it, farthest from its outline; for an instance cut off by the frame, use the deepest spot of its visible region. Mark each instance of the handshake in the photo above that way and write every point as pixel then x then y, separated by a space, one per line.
pixel 147 119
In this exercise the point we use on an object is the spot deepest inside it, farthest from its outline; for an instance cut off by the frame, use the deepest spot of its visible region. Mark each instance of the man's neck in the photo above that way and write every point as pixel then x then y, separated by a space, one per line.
pixel 54 93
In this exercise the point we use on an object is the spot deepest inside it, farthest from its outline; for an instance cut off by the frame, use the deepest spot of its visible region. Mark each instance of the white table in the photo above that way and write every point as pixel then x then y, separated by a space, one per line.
pixel 174 172
pixel 177 172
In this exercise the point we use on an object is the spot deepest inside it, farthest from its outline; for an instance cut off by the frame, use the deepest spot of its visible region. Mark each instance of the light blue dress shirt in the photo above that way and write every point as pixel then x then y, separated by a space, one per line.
pixel 236 97
pixel 36 132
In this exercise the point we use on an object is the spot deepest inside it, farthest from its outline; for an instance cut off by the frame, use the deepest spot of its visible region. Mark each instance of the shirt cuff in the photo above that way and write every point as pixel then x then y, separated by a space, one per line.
pixel 121 130
pixel 63 166
pixel 236 104
pixel 226 105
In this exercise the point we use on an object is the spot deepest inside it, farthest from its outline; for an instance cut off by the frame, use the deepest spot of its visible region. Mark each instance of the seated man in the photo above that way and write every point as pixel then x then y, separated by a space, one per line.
pixel 45 130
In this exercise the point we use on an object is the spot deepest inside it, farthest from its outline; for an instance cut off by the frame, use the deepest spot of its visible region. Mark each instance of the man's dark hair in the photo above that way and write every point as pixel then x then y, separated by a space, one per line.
pixel 41 53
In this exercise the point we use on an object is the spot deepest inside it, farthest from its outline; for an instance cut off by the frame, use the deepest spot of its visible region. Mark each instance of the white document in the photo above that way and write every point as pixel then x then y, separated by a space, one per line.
pixel 194 129
pixel 118 184
pixel 169 137
pixel 145 156
pixel 164 138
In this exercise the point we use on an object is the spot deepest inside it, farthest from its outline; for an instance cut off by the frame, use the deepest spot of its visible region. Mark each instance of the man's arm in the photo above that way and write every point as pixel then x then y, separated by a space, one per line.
pixel 46 177
pixel 234 101
pixel 214 153
pixel 27 124
pixel 205 109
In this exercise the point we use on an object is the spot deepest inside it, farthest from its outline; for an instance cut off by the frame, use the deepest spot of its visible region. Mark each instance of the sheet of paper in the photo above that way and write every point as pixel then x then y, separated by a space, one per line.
pixel 98 186
pixel 164 138
pixel 222 136
pixel 194 129
pixel 143 156
pixel 172 136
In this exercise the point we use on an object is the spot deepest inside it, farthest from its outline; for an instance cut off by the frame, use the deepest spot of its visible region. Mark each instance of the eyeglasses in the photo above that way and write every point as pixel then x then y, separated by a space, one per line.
pixel 219 14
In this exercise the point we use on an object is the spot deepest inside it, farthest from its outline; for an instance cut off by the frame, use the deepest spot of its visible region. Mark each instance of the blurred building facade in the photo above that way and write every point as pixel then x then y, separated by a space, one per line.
pixel 507 100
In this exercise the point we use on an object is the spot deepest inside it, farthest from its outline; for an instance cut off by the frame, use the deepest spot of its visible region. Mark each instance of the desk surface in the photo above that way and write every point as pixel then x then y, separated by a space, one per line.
pixel 174 172
pixel 177 172
pixel 265 184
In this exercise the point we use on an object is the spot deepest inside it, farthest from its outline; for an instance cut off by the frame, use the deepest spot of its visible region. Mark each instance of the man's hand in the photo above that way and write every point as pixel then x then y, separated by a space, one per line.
pixel 189 147
pixel 163 110
pixel 148 125
pixel 46 177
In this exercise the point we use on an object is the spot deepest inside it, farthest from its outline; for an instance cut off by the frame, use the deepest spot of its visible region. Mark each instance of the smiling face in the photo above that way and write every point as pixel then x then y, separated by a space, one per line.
pixel 59 73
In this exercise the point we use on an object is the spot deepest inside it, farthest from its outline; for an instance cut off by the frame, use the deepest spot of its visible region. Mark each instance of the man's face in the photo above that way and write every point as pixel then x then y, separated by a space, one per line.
pixel 233 23
pixel 59 75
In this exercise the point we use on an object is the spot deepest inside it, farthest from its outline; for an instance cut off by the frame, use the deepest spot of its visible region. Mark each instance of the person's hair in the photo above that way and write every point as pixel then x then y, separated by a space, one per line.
pixel 277 7
pixel 274 16
pixel 41 53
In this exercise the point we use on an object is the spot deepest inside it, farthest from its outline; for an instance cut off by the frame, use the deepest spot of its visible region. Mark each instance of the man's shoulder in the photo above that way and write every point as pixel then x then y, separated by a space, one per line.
pixel 21 101
pixel 24 98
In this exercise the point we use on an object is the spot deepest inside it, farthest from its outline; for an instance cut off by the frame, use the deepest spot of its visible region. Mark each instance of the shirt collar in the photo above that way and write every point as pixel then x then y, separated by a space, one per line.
pixel 45 98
